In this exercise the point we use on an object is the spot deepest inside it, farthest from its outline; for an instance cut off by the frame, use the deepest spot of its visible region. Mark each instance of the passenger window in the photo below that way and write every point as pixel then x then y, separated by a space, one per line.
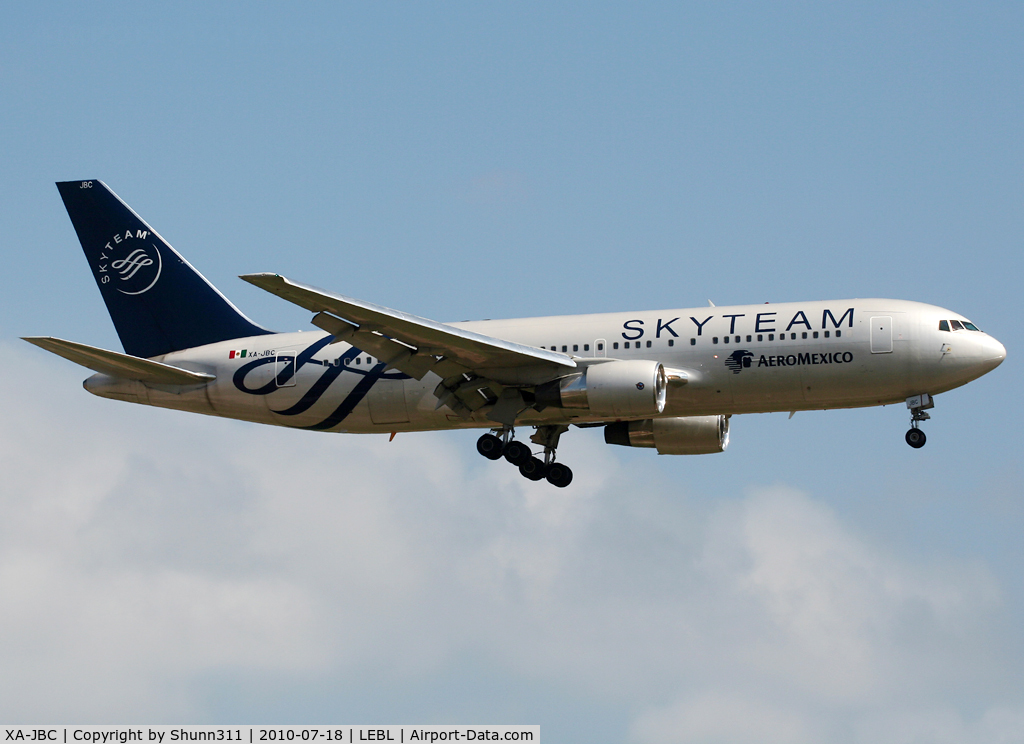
pixel 648 344
pixel 792 337
pixel 815 334
pixel 771 336
pixel 838 334
pixel 943 325
pixel 575 347
pixel 725 339
pixel 805 334
pixel 760 337
pixel 586 347
pixel 625 345
pixel 748 339
pixel 565 348
pixel 359 360
pixel 971 327
pixel 826 334
pixel 671 342
pixel 714 340
pixel 737 339
pixel 693 342
pixel 615 345
pixel 600 347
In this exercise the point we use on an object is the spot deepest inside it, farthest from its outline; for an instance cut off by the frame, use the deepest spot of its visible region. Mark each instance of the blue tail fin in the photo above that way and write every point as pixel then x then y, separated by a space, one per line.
pixel 158 302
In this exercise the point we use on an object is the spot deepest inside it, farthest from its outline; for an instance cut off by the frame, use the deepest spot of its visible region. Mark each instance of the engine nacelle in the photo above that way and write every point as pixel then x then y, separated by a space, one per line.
pixel 682 435
pixel 614 389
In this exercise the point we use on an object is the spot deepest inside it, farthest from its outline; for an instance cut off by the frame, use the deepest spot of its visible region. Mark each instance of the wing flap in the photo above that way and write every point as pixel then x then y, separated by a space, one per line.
pixel 119 365
pixel 394 353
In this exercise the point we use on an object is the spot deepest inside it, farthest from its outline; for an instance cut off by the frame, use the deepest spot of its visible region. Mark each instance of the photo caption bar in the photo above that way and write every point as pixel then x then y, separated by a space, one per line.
pixel 260 734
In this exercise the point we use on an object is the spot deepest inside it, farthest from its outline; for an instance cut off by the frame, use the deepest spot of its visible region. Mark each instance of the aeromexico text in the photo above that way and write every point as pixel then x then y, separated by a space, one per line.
pixel 766 322
pixel 792 360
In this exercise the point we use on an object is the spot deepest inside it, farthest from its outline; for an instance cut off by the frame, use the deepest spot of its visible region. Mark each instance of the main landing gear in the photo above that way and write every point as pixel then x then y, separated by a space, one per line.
pixel 519 453
pixel 917 405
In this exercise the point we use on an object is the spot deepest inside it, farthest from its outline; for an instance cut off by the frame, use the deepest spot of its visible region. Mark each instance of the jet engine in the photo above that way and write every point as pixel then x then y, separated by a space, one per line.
pixel 622 388
pixel 682 435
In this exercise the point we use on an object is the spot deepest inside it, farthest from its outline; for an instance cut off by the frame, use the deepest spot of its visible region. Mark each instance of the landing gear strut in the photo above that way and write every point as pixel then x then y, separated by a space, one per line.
pixel 494 447
pixel 558 475
pixel 917 405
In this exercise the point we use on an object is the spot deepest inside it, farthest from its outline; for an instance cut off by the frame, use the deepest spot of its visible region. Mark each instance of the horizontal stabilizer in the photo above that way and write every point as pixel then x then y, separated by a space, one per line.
pixel 119 365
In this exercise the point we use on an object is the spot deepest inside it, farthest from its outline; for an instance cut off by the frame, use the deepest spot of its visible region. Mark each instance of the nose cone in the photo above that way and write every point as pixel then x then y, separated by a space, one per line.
pixel 992 353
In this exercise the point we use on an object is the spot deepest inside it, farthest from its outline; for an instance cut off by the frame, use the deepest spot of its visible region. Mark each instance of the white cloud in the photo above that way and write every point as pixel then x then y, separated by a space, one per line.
pixel 143 549
pixel 996 725
pixel 721 718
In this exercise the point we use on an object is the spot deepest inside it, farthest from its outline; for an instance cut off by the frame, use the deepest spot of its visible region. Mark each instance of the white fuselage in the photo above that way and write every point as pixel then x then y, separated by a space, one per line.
pixel 741 359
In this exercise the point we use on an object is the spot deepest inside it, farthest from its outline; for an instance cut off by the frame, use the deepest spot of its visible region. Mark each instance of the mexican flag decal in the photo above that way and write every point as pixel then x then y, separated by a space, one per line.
pixel 236 354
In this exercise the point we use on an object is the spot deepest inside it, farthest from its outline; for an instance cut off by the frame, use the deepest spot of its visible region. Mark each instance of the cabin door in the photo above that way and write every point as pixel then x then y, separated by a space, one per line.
pixel 881 334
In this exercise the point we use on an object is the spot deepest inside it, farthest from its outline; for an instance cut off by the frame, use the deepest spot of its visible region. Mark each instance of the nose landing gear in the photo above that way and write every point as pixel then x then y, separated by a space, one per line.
pixel 518 453
pixel 916 438
pixel 917 405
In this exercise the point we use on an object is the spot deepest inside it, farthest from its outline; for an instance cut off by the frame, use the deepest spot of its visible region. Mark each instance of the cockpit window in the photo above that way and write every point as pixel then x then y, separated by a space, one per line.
pixel 957 325
pixel 943 325
pixel 971 326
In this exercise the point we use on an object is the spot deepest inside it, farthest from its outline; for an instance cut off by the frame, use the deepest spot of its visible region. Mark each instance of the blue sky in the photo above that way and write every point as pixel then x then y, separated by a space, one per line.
pixel 818 580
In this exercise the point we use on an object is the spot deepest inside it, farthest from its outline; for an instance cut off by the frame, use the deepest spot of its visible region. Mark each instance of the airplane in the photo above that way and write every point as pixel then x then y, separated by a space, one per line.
pixel 667 380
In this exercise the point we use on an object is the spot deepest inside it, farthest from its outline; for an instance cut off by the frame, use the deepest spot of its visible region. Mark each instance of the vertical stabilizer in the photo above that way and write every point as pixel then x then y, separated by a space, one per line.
pixel 158 302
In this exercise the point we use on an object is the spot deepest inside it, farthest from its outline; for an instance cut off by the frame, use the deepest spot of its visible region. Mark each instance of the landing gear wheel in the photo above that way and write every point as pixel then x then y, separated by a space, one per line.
pixel 916 438
pixel 559 475
pixel 533 468
pixel 517 453
pixel 490 446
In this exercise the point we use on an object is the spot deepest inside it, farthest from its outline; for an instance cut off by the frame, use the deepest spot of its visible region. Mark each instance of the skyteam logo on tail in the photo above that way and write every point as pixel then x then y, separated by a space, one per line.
pixel 738 360
pixel 129 264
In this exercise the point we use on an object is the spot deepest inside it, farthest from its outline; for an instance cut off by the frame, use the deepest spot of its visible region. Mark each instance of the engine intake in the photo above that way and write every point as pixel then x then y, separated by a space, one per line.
pixel 623 388
pixel 681 435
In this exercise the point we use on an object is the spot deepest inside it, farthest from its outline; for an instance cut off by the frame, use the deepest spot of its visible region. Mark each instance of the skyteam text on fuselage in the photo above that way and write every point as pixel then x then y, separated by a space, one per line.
pixel 669 380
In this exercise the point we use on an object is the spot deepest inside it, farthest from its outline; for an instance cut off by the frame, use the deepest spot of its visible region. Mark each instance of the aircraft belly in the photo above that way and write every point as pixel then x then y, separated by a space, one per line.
pixel 386 403
pixel 767 388
pixel 709 394
pixel 227 401
pixel 841 380
pixel 193 399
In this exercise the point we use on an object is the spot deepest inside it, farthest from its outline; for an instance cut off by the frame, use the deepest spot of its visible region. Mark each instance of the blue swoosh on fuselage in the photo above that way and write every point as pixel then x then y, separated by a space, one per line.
pixel 317 390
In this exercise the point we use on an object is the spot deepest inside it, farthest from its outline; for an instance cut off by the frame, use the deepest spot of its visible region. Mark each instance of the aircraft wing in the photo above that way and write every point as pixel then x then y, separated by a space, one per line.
pixel 417 345
pixel 119 365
